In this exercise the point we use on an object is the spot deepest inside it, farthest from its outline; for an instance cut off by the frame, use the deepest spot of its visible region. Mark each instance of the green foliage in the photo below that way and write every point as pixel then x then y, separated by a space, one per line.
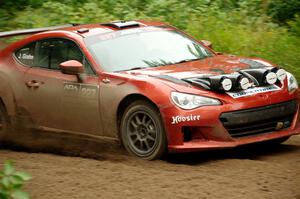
pixel 283 10
pixel 295 25
pixel 258 28
pixel 239 34
pixel 11 182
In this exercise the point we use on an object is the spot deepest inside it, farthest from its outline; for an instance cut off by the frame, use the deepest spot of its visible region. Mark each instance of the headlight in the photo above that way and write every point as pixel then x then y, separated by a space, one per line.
pixel 188 101
pixel 292 82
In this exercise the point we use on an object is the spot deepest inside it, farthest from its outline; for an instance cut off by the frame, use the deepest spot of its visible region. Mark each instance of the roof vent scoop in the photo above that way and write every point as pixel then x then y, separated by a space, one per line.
pixel 83 30
pixel 122 24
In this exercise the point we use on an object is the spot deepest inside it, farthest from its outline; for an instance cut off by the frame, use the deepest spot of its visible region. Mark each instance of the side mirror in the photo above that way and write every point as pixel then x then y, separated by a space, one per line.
pixel 71 67
pixel 207 43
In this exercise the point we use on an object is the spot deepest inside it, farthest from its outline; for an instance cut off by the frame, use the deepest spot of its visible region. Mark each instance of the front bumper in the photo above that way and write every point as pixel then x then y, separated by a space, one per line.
pixel 202 145
pixel 209 132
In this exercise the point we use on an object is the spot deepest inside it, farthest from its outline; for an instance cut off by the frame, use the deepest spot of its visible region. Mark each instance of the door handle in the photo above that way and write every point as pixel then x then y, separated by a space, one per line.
pixel 106 81
pixel 33 84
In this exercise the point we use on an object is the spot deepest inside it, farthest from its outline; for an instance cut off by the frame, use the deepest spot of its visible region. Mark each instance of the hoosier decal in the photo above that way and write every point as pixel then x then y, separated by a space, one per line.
pixel 177 119
pixel 252 91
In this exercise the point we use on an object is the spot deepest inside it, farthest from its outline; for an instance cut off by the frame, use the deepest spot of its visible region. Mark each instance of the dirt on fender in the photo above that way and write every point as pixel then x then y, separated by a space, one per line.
pixel 258 171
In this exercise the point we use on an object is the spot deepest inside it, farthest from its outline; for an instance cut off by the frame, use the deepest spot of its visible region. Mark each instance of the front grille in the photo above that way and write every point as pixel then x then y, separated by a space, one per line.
pixel 259 120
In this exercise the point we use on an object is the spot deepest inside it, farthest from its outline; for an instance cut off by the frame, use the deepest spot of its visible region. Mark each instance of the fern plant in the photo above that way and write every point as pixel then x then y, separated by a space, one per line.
pixel 12 181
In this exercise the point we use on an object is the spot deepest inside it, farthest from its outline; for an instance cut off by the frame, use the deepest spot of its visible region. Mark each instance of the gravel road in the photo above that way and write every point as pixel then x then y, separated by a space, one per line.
pixel 257 171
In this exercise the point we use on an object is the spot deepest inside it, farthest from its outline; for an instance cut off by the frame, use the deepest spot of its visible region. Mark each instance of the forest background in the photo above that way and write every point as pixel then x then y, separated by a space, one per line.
pixel 269 29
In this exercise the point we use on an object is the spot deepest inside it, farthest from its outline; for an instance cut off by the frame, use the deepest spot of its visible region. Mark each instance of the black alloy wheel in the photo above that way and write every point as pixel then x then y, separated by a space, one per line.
pixel 142 131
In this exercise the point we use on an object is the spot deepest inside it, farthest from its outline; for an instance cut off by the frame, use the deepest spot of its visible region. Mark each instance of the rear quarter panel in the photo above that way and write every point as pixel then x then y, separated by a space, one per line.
pixel 10 80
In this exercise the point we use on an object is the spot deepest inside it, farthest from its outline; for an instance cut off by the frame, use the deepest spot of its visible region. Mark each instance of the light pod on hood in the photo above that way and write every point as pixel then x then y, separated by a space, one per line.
pixel 271 78
pixel 240 82
pixel 263 76
pixel 220 83
pixel 280 73
pixel 244 83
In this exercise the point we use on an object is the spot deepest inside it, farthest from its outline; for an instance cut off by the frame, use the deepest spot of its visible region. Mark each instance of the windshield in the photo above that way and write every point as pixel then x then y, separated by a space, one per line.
pixel 138 48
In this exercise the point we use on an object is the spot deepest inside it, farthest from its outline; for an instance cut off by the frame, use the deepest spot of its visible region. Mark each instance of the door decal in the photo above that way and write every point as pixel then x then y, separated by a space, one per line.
pixel 81 90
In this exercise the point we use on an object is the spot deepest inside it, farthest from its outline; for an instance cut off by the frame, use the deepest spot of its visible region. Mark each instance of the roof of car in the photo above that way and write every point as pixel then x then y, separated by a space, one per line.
pixel 97 28
pixel 86 29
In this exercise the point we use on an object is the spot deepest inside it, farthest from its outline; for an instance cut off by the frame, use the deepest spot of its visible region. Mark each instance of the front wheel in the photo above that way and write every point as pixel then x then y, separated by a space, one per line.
pixel 142 131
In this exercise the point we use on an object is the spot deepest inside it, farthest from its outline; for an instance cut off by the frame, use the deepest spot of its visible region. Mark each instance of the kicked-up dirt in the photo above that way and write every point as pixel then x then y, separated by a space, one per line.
pixel 258 171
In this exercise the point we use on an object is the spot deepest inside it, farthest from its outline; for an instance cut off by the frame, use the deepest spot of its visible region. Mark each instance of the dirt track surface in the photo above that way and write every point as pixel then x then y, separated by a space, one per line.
pixel 248 172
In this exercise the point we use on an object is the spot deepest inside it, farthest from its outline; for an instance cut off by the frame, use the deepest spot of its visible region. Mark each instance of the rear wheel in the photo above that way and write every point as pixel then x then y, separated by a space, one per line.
pixel 3 123
pixel 142 131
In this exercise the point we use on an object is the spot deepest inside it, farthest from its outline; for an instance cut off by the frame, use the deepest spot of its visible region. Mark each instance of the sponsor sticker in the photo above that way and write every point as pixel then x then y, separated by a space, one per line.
pixel 252 91
pixel 27 56
pixel 177 119
pixel 82 90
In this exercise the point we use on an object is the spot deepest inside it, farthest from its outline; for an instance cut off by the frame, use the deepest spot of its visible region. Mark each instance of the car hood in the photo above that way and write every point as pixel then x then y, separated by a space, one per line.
pixel 217 65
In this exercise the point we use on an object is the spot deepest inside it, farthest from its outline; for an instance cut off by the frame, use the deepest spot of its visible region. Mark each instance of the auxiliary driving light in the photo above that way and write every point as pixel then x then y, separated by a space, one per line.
pixel 263 76
pixel 244 83
pixel 226 84
pixel 220 83
pixel 271 78
pixel 281 74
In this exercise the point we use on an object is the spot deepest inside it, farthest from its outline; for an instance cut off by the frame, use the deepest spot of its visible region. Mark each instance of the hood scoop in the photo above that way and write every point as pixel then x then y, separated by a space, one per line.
pixel 240 80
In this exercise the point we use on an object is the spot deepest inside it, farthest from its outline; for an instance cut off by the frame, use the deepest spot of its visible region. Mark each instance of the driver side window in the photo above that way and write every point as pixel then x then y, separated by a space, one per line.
pixel 52 52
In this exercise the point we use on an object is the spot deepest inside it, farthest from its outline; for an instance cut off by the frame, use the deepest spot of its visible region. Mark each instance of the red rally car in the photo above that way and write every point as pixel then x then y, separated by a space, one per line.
pixel 147 84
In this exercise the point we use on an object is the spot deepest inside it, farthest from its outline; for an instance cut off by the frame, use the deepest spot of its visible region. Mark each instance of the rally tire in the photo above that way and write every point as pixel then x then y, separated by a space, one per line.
pixel 142 131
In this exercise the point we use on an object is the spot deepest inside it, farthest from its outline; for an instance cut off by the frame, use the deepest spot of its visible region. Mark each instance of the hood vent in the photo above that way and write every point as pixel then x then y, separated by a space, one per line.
pixel 122 24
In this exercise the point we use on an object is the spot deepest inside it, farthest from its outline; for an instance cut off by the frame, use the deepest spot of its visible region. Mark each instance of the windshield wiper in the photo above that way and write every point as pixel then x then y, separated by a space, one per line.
pixel 159 64
pixel 186 60
pixel 135 68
